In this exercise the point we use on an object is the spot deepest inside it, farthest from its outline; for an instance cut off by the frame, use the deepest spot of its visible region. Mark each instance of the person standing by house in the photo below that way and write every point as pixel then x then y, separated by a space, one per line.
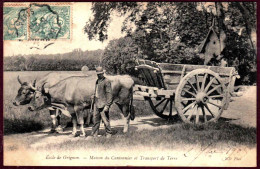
pixel 103 100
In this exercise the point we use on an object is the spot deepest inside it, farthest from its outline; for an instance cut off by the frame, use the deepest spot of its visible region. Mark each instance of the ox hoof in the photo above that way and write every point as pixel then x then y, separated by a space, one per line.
pixel 74 134
pixel 132 116
pixel 52 131
pixel 59 129
pixel 82 135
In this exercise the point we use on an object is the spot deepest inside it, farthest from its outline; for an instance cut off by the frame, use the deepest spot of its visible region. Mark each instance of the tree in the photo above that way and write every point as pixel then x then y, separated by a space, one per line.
pixel 156 33
pixel 172 31
pixel 161 28
pixel 248 11
pixel 119 56
pixel 182 19
pixel 97 26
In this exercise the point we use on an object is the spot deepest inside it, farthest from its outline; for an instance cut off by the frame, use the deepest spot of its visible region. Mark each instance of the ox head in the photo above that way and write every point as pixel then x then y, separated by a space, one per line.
pixel 25 93
pixel 41 99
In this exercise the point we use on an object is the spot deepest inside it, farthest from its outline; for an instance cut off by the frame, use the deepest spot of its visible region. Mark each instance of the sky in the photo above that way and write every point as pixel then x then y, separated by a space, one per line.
pixel 81 12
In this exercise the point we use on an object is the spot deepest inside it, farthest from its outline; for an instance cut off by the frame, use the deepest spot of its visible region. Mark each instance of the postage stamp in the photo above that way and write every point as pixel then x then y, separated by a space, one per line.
pixel 49 22
pixel 37 21
pixel 15 23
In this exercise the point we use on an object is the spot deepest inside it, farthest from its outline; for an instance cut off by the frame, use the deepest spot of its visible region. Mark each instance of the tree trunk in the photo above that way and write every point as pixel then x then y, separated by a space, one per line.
pixel 246 16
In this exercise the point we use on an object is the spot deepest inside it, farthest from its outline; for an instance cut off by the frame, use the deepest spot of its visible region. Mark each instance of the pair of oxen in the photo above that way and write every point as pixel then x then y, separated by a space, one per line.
pixel 74 94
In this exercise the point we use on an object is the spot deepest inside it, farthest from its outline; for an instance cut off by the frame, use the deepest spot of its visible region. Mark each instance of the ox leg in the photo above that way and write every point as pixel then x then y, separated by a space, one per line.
pixel 53 125
pixel 53 120
pixel 74 122
pixel 58 117
pixel 81 123
pixel 73 119
pixel 58 120
pixel 89 117
pixel 82 132
pixel 126 117
pixel 80 119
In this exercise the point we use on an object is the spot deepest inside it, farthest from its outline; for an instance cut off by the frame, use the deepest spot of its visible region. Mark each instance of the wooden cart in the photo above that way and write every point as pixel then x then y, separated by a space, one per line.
pixel 197 93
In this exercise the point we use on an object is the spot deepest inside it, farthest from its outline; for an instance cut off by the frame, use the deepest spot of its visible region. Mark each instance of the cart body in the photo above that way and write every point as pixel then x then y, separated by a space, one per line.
pixel 170 84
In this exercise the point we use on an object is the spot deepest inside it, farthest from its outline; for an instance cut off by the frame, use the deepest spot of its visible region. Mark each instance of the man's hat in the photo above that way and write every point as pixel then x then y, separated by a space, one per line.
pixel 99 70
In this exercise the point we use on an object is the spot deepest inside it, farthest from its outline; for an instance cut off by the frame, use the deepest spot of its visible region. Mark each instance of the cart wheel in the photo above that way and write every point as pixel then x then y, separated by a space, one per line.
pixel 163 108
pixel 200 97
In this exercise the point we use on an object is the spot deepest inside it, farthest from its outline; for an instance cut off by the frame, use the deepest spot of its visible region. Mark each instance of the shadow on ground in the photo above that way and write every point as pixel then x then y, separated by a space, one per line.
pixel 12 126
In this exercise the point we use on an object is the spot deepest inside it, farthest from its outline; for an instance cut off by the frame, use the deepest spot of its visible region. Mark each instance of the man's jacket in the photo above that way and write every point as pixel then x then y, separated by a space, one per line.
pixel 103 94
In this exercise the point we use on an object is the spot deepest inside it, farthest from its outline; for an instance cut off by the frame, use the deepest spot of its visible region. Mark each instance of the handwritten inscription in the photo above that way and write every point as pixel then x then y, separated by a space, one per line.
pixel 227 154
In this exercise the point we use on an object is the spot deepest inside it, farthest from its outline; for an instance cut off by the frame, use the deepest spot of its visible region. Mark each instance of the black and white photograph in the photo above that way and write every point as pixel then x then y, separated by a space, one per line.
pixel 130 84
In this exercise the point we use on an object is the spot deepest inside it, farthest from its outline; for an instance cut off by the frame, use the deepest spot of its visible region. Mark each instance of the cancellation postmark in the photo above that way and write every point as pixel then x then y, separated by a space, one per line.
pixel 49 22
pixel 15 23
pixel 38 21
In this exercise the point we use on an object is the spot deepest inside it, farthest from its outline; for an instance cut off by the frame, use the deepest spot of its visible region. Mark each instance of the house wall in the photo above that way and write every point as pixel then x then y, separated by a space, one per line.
pixel 213 48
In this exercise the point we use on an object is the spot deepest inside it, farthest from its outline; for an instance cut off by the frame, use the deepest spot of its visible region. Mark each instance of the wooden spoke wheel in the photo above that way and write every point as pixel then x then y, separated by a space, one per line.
pixel 163 108
pixel 200 97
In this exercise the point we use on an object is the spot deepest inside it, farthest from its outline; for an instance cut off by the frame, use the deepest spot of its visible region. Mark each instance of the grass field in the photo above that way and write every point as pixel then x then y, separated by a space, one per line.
pixel 21 120
pixel 219 135
pixel 170 138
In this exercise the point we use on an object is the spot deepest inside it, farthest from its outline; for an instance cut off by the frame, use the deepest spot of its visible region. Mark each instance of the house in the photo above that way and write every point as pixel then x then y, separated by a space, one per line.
pixel 212 46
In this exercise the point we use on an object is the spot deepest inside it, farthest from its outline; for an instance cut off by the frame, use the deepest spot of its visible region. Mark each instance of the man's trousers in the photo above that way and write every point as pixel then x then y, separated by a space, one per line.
pixel 97 116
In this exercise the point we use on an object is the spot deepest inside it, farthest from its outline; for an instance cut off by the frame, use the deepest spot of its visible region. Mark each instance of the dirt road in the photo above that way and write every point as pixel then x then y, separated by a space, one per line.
pixel 242 110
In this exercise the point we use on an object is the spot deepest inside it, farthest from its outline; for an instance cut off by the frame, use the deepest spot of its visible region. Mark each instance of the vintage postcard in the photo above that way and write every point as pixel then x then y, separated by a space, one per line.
pixel 130 84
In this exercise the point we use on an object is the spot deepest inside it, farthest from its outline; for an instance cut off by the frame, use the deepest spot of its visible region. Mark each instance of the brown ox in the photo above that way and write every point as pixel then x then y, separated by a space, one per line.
pixel 26 91
pixel 75 94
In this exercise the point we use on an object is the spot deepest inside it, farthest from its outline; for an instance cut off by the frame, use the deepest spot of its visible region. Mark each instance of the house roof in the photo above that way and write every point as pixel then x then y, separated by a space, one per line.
pixel 206 40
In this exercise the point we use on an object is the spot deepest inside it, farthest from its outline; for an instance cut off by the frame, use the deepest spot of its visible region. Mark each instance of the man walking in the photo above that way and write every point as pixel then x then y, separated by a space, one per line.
pixel 103 100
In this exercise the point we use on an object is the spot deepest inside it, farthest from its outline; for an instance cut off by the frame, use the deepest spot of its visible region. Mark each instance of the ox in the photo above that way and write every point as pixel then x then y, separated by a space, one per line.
pixel 27 90
pixel 75 94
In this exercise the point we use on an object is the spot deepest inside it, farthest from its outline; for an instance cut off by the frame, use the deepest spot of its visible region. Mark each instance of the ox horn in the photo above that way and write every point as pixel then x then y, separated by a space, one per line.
pixel 19 80
pixel 43 90
pixel 32 87
pixel 34 83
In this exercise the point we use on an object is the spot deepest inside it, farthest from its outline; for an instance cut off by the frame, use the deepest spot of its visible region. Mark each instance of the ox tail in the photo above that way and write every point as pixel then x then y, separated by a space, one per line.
pixel 131 107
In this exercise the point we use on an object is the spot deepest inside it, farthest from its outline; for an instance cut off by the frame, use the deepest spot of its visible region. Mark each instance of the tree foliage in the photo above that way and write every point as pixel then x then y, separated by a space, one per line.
pixel 97 26
pixel 173 31
pixel 119 56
